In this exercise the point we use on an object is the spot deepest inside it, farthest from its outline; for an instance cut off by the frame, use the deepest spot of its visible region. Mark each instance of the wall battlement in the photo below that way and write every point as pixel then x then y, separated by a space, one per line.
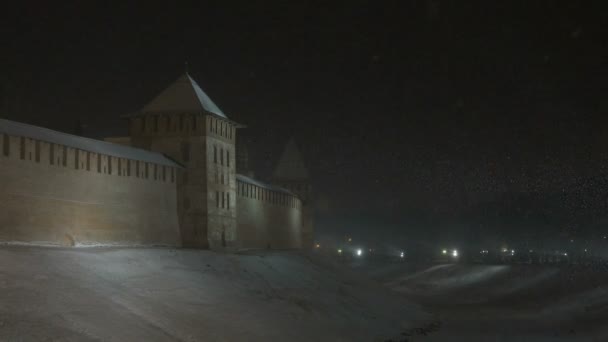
pixel 172 182
pixel 60 195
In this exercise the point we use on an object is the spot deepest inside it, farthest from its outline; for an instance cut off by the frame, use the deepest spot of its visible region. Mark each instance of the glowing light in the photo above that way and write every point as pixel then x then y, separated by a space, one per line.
pixel 350 239
pixel 359 252
pixel 444 251
pixel 318 245
pixel 339 251
pixel 585 250
pixel 565 254
pixel 512 252
pixel 402 254
pixel 454 253
pixel 504 250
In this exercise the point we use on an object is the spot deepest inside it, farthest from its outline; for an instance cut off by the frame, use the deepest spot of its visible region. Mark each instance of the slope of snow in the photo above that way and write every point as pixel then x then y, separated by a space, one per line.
pixel 506 302
pixel 161 294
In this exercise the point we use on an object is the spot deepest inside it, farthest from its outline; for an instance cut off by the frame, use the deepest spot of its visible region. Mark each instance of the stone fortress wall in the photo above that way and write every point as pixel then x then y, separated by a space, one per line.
pixel 61 195
pixel 172 181
pixel 268 216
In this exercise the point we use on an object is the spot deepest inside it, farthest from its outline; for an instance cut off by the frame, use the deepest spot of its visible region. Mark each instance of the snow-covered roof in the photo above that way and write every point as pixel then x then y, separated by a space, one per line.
pixel 291 165
pixel 97 146
pixel 256 182
pixel 183 95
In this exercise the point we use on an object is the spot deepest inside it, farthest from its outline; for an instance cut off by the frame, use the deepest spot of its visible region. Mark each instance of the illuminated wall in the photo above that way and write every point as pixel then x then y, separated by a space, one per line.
pixel 204 145
pixel 267 217
pixel 80 197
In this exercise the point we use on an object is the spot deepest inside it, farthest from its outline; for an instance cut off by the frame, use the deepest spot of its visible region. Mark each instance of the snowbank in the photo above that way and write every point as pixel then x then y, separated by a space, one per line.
pixel 506 302
pixel 160 294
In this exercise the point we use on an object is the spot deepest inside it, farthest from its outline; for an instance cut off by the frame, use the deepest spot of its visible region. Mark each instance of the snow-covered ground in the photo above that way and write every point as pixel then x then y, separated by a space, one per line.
pixel 161 294
pixel 503 302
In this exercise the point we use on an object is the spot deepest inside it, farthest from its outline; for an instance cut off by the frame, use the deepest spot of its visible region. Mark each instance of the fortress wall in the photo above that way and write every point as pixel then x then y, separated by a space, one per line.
pixel 267 218
pixel 56 194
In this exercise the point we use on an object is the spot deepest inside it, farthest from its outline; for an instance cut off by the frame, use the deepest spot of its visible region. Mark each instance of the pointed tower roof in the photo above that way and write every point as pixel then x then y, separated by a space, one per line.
pixel 291 165
pixel 183 95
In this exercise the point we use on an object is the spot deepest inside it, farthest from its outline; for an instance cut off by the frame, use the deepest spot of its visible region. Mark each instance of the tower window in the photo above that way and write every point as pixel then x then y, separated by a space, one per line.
pixel 228 200
pixel 221 156
pixel 65 156
pixel 217 199
pixel 22 148
pixel 5 145
pixel 186 151
pixel 228 158
pixel 37 152
pixel 215 154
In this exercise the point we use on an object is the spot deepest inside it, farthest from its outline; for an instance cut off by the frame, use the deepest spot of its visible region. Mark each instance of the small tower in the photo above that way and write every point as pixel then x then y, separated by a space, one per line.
pixel 243 156
pixel 183 123
pixel 291 173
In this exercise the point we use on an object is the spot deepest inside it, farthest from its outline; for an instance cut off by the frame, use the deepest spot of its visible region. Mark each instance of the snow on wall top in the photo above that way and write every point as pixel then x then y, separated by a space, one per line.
pixel 183 95
pixel 97 146
pixel 255 182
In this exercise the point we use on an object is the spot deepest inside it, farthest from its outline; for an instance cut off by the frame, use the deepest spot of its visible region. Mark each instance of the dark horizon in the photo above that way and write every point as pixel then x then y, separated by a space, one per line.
pixel 418 119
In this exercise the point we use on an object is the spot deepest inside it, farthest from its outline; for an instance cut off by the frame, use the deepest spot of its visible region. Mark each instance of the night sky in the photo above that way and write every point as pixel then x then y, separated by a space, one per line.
pixel 416 117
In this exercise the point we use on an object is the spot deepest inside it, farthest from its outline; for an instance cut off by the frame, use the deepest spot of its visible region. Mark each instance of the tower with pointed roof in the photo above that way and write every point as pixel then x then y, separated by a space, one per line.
pixel 291 173
pixel 183 123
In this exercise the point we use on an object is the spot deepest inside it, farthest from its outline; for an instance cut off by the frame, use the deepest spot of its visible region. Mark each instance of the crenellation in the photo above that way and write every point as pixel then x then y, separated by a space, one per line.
pixel 201 202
